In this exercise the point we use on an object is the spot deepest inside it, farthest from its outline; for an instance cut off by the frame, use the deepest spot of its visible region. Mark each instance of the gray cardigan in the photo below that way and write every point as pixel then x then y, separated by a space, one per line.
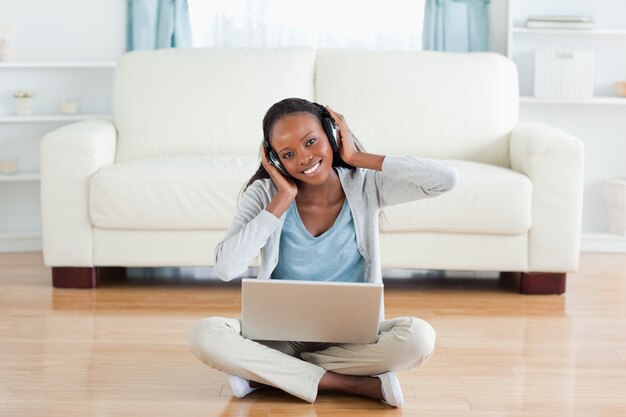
pixel 254 229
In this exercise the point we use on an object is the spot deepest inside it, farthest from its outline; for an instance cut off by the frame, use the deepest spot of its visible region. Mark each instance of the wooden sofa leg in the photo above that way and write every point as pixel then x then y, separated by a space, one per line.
pixel 542 283
pixel 74 277
pixel 85 277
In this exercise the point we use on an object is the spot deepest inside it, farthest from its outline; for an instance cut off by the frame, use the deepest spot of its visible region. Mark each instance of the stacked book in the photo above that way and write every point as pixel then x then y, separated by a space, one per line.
pixel 559 22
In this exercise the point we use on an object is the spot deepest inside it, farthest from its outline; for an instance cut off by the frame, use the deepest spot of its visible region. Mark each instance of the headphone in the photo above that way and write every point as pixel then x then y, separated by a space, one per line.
pixel 330 128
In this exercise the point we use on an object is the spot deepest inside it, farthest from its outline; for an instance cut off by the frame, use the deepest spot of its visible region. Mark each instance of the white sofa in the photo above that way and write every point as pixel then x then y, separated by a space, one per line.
pixel 157 185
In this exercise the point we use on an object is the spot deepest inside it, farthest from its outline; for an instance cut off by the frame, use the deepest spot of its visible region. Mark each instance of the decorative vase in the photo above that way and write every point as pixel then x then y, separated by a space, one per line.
pixel 69 106
pixel 8 165
pixel 5 50
pixel 25 106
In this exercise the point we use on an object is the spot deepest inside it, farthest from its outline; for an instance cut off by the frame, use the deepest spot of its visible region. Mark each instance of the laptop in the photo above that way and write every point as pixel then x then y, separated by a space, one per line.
pixel 310 311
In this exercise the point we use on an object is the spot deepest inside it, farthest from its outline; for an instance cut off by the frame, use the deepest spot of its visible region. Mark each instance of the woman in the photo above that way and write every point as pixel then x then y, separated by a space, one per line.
pixel 318 194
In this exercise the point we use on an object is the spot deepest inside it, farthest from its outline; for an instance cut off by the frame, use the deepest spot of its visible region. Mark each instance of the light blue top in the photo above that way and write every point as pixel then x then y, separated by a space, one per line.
pixel 332 256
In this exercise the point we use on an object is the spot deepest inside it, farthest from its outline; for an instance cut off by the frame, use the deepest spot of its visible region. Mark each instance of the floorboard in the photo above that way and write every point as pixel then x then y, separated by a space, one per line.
pixel 121 349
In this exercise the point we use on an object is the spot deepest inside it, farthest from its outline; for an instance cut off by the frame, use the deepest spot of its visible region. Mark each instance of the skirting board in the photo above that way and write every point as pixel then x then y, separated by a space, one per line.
pixel 20 244
pixel 602 243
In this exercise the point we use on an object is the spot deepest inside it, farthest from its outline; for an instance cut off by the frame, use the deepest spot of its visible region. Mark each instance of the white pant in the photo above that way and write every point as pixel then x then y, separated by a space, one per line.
pixel 297 367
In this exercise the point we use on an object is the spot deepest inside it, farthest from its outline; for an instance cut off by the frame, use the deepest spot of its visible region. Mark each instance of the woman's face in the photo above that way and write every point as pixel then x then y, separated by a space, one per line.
pixel 303 148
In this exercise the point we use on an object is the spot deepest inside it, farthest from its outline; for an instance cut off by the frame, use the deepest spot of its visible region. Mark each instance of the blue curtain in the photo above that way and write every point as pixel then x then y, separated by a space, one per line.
pixel 456 25
pixel 155 24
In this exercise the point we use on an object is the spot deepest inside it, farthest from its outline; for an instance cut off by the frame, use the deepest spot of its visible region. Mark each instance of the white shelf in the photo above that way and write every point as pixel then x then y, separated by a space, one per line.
pixel 20 176
pixel 23 65
pixel 53 118
pixel 532 31
pixel 20 185
pixel 619 101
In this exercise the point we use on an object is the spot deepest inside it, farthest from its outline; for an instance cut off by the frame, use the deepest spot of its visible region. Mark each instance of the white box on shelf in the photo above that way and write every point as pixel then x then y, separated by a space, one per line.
pixel 563 73
pixel 615 194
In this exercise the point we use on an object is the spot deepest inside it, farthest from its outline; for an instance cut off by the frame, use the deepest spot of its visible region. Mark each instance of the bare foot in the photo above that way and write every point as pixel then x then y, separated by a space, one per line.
pixel 367 386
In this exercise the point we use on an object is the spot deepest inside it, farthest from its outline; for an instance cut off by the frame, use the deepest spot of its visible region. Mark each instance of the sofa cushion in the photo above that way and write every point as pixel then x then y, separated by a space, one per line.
pixel 203 101
pixel 174 193
pixel 430 104
pixel 200 192
pixel 487 200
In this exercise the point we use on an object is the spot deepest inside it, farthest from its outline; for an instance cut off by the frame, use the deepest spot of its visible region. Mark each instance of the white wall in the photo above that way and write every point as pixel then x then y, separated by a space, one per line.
pixel 66 30
pixel 498 22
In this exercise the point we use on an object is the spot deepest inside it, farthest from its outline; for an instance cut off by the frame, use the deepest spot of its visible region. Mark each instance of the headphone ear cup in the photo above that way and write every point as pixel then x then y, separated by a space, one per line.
pixel 331 131
pixel 279 166
pixel 330 128
pixel 272 157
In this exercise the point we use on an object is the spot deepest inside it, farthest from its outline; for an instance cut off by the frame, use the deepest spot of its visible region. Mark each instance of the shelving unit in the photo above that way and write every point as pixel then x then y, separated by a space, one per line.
pixel 52 118
pixel 610 101
pixel 75 64
pixel 91 83
pixel 583 32
pixel 22 176
pixel 522 41
pixel 599 121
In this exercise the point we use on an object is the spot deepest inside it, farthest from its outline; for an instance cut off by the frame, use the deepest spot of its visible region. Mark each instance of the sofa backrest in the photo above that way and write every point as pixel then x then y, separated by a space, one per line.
pixel 203 101
pixel 212 101
pixel 428 104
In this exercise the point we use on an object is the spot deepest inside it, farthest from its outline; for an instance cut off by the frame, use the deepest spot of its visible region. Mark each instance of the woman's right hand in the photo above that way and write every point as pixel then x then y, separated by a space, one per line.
pixel 287 189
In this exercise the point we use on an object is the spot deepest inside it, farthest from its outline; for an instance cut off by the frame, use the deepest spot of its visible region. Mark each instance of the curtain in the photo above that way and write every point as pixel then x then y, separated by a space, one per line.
pixel 456 25
pixel 360 24
pixel 155 24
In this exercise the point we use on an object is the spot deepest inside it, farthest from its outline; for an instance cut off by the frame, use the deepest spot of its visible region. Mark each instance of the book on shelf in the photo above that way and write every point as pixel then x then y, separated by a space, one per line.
pixel 560 18
pixel 538 24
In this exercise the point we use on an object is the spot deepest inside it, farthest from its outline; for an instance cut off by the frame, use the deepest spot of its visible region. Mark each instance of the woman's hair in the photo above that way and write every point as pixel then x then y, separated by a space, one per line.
pixel 284 108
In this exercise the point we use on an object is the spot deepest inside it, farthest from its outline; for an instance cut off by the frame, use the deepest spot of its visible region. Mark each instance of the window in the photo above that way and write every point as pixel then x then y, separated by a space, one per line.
pixel 359 24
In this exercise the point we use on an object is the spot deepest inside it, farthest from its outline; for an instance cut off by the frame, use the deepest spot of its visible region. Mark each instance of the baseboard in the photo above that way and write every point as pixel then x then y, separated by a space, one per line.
pixel 602 243
pixel 20 243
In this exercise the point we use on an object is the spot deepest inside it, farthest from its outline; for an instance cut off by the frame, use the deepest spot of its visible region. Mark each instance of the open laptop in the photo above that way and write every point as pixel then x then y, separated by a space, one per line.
pixel 310 311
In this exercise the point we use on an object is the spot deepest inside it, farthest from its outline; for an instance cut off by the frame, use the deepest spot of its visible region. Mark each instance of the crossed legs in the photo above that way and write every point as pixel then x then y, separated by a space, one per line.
pixel 301 369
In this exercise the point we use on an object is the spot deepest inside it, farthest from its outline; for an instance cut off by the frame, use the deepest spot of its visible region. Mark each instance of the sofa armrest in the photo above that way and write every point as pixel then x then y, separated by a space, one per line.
pixel 70 155
pixel 553 160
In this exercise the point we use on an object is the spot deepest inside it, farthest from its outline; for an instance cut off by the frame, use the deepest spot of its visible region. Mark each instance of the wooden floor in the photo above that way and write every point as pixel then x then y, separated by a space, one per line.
pixel 121 350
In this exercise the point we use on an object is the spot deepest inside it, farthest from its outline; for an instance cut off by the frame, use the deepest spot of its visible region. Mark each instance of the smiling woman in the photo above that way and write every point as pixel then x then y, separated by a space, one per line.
pixel 393 24
pixel 311 212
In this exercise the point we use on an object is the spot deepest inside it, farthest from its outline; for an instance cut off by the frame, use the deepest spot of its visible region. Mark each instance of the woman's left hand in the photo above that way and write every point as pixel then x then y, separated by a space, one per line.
pixel 347 148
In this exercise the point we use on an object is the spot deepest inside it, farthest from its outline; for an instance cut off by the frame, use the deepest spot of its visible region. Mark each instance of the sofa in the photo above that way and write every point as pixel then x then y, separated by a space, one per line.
pixel 157 185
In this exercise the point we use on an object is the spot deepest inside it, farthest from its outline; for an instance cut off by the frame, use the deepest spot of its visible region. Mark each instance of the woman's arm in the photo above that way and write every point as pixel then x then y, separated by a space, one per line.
pixel 247 235
pixel 257 218
pixel 397 179
pixel 407 178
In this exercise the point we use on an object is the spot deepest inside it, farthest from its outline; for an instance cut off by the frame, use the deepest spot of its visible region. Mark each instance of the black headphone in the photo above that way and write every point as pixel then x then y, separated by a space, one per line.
pixel 330 128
